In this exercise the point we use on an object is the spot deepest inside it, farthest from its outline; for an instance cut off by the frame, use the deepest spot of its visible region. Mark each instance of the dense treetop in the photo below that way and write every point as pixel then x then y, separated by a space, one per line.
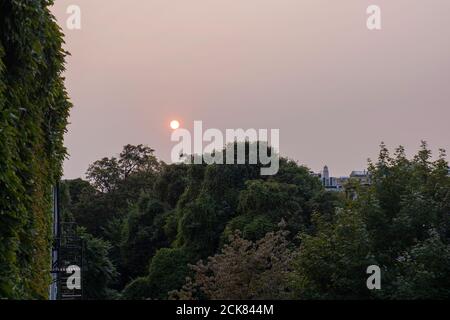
pixel 225 231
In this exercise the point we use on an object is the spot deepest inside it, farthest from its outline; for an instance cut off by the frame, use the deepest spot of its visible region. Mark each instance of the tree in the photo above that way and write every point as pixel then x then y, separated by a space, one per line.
pixel 171 183
pixel 243 270
pixel 292 196
pixel 183 214
pixel 213 207
pixel 73 195
pixel 167 272
pixel 423 272
pixel 268 202
pixel 252 227
pixel 332 263
pixel 99 272
pixel 135 159
pixel 400 223
pixel 108 173
pixel 200 226
pixel 104 174
pixel 115 185
pixel 144 235
pixel 138 289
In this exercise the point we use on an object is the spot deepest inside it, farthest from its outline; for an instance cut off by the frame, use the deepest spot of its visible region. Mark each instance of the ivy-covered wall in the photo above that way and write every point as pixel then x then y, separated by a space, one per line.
pixel 34 108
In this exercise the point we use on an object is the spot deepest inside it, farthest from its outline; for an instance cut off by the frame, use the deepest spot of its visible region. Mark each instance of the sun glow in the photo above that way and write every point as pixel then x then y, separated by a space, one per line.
pixel 174 124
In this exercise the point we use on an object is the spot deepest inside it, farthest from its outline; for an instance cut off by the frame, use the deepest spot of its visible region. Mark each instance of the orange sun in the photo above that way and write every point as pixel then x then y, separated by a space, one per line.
pixel 174 124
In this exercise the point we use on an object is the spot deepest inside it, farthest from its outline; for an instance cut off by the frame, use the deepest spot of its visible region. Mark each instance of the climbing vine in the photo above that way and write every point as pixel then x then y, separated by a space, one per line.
pixel 34 108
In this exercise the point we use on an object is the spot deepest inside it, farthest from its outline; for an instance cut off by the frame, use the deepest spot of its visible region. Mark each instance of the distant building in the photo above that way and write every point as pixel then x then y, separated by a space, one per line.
pixel 362 176
pixel 331 183
pixel 338 183
pixel 325 177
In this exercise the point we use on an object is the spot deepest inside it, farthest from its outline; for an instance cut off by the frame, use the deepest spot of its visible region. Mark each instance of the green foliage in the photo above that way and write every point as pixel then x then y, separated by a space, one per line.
pixel 216 198
pixel 292 196
pixel 144 235
pixel 251 227
pixel 400 223
pixel 115 185
pixel 106 206
pixel 171 183
pixel 243 270
pixel 423 271
pixel 200 226
pixel 33 116
pixel 98 272
pixel 132 170
pixel 138 289
pixel 175 215
pixel 332 263
pixel 203 204
pixel 167 272
pixel 74 194
pixel 273 199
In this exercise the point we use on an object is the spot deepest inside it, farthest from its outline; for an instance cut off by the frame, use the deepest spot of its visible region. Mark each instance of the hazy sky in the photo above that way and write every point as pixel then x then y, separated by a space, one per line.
pixel 308 67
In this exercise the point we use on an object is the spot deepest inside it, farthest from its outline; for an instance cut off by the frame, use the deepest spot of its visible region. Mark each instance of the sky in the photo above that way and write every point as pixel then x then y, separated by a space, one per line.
pixel 309 68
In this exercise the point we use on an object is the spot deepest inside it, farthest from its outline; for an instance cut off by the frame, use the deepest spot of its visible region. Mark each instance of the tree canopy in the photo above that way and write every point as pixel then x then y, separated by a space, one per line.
pixel 224 231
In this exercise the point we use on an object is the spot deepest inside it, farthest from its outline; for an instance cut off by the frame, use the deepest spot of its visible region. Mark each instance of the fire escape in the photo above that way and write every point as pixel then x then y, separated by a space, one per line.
pixel 67 257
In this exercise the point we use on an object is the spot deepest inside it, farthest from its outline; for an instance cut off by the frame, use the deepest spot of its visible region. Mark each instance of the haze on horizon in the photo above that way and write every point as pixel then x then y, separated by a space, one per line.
pixel 309 68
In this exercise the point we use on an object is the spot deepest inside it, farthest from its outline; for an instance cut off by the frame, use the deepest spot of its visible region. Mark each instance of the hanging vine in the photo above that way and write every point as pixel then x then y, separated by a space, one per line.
pixel 34 109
